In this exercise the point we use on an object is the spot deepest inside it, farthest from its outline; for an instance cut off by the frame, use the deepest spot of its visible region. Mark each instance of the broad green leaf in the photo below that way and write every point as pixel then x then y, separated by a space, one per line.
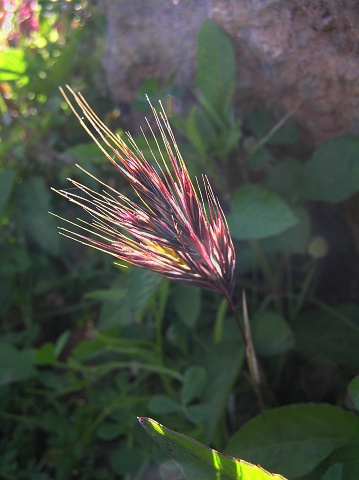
pixel 141 286
pixel 335 472
pixel 34 201
pixel 353 389
pixel 286 178
pixel 194 380
pixel 296 438
pixel 16 365
pixel 215 69
pixel 111 431
pixel 271 334
pixel 7 181
pixel 187 303
pixel 348 456
pixel 294 240
pixel 199 462
pixel 138 286
pixel 12 64
pixel 332 173
pixel 45 355
pixel 334 334
pixel 258 213
pixel 197 413
pixel 162 405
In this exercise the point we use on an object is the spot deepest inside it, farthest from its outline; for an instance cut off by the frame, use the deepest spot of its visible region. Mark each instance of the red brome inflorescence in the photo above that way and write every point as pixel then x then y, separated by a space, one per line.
pixel 172 228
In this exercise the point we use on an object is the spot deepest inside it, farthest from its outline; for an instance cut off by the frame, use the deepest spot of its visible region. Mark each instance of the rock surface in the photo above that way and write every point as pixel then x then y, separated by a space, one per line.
pixel 290 53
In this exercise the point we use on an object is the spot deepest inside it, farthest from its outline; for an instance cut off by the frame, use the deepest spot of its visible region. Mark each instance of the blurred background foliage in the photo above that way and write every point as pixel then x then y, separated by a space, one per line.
pixel 86 347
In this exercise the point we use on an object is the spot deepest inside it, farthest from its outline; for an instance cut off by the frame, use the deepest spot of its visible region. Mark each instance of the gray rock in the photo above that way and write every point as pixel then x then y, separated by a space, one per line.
pixel 290 53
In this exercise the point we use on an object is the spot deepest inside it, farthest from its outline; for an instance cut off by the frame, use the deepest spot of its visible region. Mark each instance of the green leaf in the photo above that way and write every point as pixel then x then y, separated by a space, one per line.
pixel 163 405
pixel 294 240
pixel 45 355
pixel 34 202
pixel 353 389
pixel 199 462
pixel 271 334
pixel 112 294
pixel 125 460
pixel 348 456
pixel 200 130
pixel 334 472
pixel 187 303
pixel 12 64
pixel 141 286
pixel 228 140
pixel 259 122
pixel 110 431
pixel 334 334
pixel 88 348
pixel 128 299
pixel 296 438
pixel 16 365
pixel 258 213
pixel 332 173
pixel 84 152
pixel 215 69
pixel 7 181
pixel 260 159
pixel 197 413
pixel 194 380
pixel 61 342
pixel 286 178
pixel 286 135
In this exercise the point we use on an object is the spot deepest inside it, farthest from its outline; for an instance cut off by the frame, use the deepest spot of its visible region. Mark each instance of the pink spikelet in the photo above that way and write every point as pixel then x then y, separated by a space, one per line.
pixel 171 228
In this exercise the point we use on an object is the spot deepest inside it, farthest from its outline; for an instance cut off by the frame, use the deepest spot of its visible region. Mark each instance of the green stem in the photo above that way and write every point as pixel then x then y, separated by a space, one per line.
pixel 110 366
pixel 271 132
pixel 267 272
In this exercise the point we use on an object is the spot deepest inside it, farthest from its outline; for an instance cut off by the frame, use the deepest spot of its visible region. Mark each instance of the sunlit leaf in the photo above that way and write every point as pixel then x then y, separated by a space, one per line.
pixel 12 64
pixel 199 462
